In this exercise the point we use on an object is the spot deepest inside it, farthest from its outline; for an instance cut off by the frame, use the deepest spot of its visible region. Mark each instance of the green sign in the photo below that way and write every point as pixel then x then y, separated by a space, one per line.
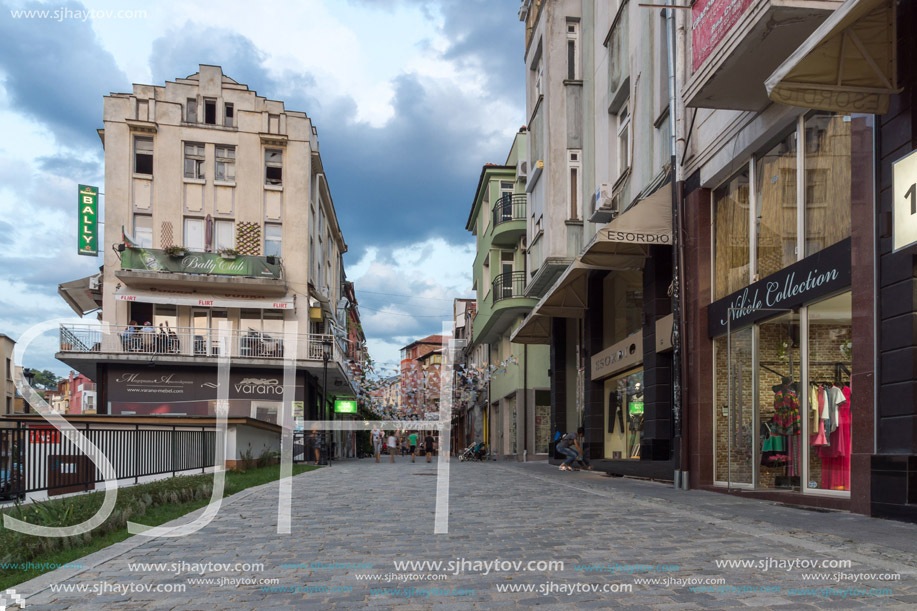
pixel 345 406
pixel 635 407
pixel 88 225
pixel 150 259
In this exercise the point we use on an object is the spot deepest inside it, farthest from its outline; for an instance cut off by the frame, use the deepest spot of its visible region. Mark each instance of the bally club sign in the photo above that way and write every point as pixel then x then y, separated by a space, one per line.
pixel 821 274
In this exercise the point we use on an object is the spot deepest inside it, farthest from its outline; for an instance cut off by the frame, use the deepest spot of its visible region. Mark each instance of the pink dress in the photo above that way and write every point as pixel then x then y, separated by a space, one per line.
pixel 835 464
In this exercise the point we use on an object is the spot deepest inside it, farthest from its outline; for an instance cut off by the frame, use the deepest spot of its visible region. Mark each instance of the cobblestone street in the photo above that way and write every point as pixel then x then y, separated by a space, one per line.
pixel 357 518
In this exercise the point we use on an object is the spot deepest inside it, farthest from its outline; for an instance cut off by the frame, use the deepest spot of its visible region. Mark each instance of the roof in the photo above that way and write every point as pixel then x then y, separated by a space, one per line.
pixel 488 167
pixel 430 339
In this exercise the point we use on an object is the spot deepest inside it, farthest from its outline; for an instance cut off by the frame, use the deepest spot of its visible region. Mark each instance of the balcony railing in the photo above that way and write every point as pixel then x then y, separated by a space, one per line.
pixel 510 284
pixel 510 207
pixel 193 342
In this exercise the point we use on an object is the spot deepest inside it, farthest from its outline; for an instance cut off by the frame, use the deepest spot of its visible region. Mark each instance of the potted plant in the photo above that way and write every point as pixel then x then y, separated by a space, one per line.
pixel 175 251
pixel 228 253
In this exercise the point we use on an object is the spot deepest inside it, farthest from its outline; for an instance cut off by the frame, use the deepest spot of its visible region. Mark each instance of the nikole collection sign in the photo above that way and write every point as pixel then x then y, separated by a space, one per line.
pixel 88 225
pixel 198 263
pixel 823 273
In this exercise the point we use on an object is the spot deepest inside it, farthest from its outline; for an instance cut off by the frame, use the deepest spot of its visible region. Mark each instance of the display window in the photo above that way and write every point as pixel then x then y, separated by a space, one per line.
pixel 782 395
pixel 624 416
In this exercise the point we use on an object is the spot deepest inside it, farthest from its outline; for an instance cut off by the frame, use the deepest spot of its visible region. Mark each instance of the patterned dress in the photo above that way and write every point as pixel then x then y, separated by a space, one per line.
pixel 786 419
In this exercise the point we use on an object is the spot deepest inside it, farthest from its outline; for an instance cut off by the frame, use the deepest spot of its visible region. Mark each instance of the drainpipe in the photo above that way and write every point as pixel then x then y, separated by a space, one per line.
pixel 525 402
pixel 675 66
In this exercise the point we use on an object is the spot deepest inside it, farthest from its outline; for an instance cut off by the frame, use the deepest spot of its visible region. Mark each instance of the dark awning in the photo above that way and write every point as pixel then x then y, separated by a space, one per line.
pixel 83 295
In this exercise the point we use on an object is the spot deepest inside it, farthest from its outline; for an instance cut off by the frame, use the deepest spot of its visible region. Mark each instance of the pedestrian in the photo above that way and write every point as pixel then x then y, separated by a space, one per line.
pixel 564 447
pixel 580 446
pixel 316 446
pixel 392 447
pixel 412 440
pixel 377 443
pixel 428 445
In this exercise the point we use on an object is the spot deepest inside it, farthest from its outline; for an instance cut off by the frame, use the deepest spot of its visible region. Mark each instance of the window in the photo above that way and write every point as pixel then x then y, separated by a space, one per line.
pixel 273 167
pixel 829 143
pixel 539 79
pixel 731 246
pixel 224 168
pixel 191 110
pixel 272 240
pixel 143 230
pixel 775 205
pixel 210 112
pixel 194 160
pixel 143 156
pixel 223 235
pixel 574 198
pixel 228 115
pixel 194 234
pixel 573 52
pixel 624 138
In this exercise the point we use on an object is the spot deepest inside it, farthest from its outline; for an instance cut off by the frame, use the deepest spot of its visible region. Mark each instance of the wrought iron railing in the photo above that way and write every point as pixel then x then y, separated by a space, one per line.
pixel 36 458
pixel 510 207
pixel 507 285
pixel 188 341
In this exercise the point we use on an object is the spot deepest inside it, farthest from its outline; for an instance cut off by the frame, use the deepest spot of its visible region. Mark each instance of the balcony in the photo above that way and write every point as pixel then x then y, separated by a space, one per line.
pixel 509 219
pixel 151 268
pixel 81 342
pixel 508 285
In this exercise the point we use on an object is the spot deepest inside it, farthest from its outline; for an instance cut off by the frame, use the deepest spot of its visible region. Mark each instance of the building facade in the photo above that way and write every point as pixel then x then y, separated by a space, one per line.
pixel 417 389
pixel 606 314
pixel 7 386
pixel 220 238
pixel 518 406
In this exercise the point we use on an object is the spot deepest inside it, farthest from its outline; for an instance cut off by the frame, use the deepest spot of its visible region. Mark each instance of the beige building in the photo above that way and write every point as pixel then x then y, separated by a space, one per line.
pixel 228 220
pixel 7 387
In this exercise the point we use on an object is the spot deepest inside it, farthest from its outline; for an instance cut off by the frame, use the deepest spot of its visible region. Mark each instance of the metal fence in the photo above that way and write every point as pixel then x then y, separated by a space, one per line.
pixel 507 285
pixel 190 341
pixel 510 207
pixel 40 458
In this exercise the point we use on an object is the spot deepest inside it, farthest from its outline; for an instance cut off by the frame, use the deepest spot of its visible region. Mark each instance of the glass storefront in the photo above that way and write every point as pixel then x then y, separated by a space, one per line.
pixel 624 416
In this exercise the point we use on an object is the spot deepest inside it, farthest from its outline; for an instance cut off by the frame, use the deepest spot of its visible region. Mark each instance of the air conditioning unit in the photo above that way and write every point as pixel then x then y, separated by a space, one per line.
pixel 604 204
pixel 522 169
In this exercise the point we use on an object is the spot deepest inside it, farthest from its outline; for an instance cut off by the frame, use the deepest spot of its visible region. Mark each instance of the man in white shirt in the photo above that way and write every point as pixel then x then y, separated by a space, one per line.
pixel 392 447
pixel 377 443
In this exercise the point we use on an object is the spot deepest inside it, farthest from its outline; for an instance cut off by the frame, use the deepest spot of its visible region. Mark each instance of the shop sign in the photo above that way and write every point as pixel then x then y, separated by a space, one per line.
pixel 88 225
pixel 625 354
pixel 146 386
pixel 904 190
pixel 149 259
pixel 711 20
pixel 823 273
pixel 345 406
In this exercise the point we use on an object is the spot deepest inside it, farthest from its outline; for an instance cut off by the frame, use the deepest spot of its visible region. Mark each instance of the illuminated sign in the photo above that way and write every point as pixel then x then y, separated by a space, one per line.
pixel 345 406
pixel 88 225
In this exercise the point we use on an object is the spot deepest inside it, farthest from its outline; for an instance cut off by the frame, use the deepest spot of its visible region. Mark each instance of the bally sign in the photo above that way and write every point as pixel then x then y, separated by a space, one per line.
pixel 88 226
pixel 823 273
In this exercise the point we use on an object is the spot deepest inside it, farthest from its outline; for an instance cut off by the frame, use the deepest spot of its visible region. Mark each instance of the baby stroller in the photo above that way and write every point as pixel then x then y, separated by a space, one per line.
pixel 476 451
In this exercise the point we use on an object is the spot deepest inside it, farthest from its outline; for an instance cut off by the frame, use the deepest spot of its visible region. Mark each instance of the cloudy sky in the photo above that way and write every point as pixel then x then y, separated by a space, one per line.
pixel 410 98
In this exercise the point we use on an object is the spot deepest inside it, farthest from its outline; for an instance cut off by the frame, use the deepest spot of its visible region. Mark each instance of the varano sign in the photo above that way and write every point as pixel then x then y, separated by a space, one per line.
pixel 88 226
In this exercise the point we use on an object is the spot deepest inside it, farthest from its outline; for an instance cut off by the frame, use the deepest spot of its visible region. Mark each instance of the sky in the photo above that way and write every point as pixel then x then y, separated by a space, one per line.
pixel 410 99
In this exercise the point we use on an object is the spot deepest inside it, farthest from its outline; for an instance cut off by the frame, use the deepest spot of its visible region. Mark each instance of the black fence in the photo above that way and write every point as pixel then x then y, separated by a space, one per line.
pixel 507 285
pixel 510 207
pixel 41 458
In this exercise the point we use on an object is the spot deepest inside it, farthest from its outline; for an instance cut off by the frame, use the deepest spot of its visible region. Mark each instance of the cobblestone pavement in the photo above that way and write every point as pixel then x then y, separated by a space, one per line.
pixel 612 535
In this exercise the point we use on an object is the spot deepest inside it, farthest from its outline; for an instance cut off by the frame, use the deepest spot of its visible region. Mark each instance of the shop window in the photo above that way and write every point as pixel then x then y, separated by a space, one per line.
pixel 828 415
pixel 623 311
pixel 624 416
pixel 143 156
pixel 731 239
pixel 734 408
pixel 224 168
pixel 828 184
pixel 780 429
pixel 775 207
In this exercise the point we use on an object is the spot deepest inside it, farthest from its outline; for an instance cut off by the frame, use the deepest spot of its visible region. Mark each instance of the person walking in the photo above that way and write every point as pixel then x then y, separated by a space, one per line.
pixel 377 443
pixel 428 445
pixel 316 446
pixel 392 447
pixel 412 440
pixel 564 447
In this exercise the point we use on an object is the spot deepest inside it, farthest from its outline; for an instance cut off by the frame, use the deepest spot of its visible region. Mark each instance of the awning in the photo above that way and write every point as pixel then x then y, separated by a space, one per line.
pixel 567 298
pixel 83 295
pixel 847 65
pixel 625 242
pixel 205 300
pixel 535 329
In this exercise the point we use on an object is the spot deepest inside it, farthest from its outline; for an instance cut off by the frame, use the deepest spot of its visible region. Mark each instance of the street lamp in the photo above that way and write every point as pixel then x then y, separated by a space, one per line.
pixel 326 356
